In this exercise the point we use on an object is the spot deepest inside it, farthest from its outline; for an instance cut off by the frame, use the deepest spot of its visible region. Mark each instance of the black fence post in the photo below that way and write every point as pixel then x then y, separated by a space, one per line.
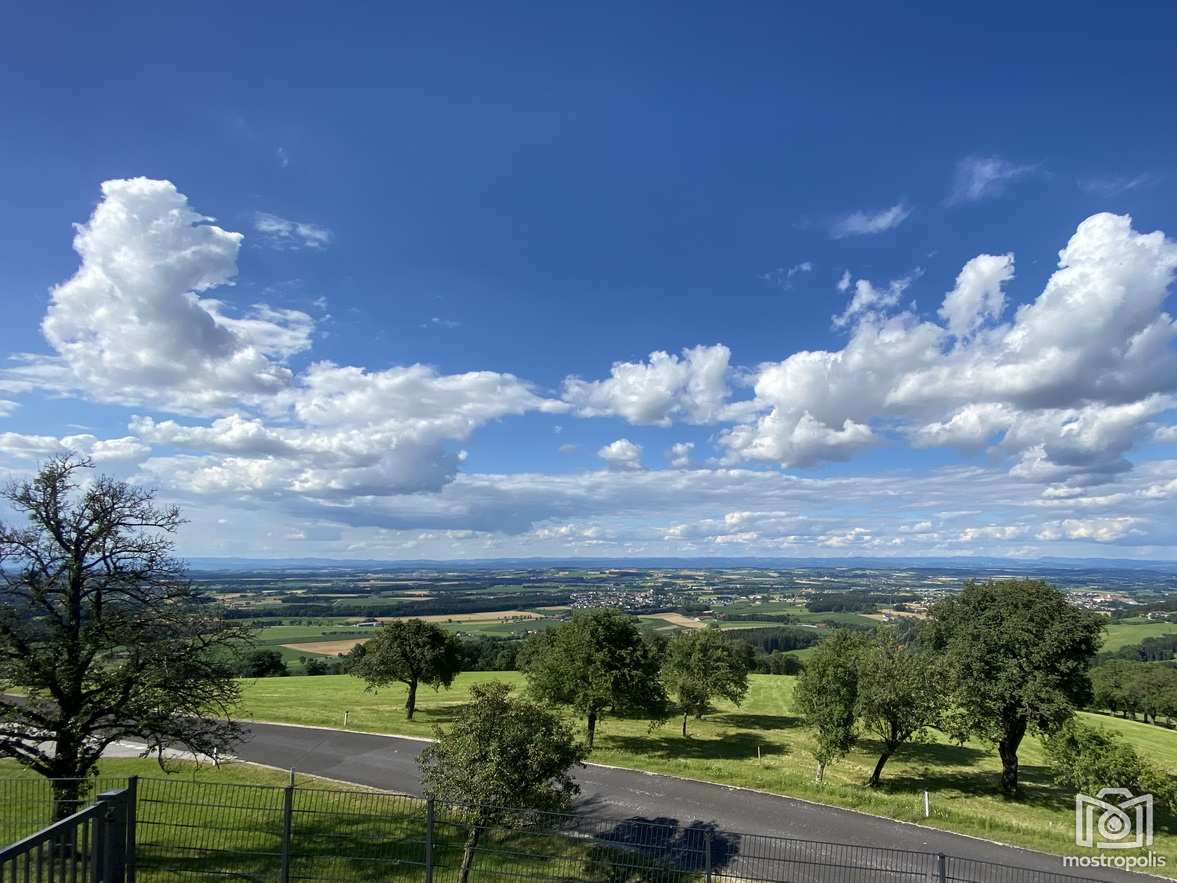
pixel 707 853
pixel 941 868
pixel 111 836
pixel 429 839
pixel 287 825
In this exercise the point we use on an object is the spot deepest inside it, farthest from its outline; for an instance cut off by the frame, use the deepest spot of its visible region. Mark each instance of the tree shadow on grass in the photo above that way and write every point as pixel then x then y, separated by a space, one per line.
pixel 729 746
pixel 757 721
pixel 1037 787
pixel 939 753
pixel 438 714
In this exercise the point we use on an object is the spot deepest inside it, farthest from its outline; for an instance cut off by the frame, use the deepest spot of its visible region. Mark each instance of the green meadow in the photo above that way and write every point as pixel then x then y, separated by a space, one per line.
pixel 1133 631
pixel 763 745
pixel 340 832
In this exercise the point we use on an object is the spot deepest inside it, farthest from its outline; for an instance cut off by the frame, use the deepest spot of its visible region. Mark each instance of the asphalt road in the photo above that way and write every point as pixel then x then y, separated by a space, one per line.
pixel 390 762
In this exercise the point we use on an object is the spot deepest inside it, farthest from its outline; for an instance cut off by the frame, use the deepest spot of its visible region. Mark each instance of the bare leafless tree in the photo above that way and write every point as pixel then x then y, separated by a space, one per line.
pixel 102 635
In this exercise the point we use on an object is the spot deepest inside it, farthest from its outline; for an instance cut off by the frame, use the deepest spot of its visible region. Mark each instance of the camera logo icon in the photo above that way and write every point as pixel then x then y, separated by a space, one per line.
pixel 1113 819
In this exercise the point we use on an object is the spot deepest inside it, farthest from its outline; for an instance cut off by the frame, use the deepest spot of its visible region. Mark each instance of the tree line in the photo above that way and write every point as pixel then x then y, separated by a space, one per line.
pixel 1129 687
pixel 998 661
pixel 597 664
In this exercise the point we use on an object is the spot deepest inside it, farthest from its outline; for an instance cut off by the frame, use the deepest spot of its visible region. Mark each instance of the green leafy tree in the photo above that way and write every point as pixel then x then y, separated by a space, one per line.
pixel 900 694
pixel 598 663
pixel 409 652
pixel 826 695
pixel 1018 654
pixel 102 632
pixel 701 665
pixel 318 667
pixel 1153 686
pixel 506 760
pixel 1111 686
pixel 1130 687
pixel 263 664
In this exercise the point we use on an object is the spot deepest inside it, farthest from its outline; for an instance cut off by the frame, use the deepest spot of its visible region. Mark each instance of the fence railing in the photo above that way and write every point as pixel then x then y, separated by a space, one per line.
pixel 92 845
pixel 192 830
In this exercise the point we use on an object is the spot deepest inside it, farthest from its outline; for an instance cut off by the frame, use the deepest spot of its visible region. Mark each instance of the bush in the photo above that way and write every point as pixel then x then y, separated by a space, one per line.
pixel 778 663
pixel 263 664
pixel 318 667
pixel 1089 759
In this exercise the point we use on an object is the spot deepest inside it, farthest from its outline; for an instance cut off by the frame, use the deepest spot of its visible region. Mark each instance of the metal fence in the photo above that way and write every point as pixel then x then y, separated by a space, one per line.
pixel 92 845
pixel 190 830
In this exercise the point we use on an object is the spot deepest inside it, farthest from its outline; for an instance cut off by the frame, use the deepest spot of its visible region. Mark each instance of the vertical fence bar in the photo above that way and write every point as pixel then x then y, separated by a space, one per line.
pixel 101 848
pixel 941 869
pixel 132 798
pixel 287 825
pixel 428 840
pixel 707 853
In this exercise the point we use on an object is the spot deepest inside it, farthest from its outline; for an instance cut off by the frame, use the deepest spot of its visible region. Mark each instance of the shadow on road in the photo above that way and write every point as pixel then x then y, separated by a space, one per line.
pixel 668 845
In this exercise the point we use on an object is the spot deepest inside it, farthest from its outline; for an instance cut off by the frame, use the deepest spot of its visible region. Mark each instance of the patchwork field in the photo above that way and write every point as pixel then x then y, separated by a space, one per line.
pixel 678 619
pixel 484 616
pixel 763 745
pixel 330 636
pixel 328 648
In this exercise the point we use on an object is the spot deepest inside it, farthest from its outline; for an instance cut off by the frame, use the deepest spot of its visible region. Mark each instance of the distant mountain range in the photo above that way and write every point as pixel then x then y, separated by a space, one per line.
pixel 1020 565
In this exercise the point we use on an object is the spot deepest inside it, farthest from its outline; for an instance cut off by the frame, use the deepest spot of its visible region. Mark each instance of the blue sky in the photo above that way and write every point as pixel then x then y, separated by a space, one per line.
pixel 475 272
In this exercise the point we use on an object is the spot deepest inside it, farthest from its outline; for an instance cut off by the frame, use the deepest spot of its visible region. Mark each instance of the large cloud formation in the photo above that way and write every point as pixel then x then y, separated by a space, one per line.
pixel 231 411
pixel 134 326
pixel 131 325
pixel 1065 386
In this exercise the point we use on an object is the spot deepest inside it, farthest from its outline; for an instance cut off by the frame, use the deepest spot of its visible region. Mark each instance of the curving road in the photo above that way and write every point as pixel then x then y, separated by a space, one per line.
pixel 390 762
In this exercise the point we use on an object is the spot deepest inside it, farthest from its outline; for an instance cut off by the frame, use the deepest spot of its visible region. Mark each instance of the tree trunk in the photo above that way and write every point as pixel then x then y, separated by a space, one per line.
pixel 873 782
pixel 69 779
pixel 684 725
pixel 1008 749
pixel 411 702
pixel 590 730
pixel 468 854
pixel 821 771
pixel 67 797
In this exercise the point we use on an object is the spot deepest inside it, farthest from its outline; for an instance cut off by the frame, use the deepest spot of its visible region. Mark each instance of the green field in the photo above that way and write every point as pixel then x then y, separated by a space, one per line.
pixel 1133 631
pixel 962 780
pixel 801 613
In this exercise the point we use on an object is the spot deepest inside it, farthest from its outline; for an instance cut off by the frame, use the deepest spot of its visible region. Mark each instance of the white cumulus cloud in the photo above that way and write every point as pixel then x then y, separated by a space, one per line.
pixel 978 295
pixel 133 326
pixel 1066 386
pixel 622 453
pixel 692 387
pixel 679 455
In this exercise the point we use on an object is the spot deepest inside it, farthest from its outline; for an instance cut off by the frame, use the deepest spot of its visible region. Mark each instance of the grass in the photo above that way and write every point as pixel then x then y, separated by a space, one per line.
pixel 962 780
pixel 1133 631
pixel 226 773
pixel 230 827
